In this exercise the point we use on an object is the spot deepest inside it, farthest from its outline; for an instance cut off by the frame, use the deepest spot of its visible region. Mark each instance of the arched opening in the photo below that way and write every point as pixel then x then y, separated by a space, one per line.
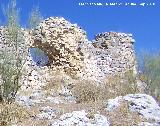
pixel 39 56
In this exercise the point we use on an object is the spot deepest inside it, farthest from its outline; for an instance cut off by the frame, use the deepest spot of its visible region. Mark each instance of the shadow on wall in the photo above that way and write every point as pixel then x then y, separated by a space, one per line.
pixel 39 56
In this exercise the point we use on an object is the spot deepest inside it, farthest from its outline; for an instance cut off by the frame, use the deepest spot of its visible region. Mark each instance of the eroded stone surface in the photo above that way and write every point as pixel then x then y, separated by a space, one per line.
pixel 79 118
pixel 144 104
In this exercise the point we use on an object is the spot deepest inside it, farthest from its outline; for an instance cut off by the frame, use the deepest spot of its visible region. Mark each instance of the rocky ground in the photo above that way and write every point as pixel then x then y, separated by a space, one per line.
pixel 55 105
pixel 50 110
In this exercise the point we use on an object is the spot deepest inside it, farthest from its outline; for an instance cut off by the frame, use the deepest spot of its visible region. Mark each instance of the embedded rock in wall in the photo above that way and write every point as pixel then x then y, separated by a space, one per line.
pixel 60 40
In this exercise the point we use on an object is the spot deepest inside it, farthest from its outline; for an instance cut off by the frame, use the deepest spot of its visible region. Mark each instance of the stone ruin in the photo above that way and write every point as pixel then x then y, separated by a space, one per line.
pixel 69 51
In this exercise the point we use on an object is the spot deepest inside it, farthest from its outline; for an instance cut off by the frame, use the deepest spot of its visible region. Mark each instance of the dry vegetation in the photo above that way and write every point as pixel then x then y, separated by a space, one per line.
pixel 12 113
pixel 57 82
pixel 117 85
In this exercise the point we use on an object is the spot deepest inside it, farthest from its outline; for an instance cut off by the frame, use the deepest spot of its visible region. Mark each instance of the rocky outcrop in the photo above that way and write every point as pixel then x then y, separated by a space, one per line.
pixel 145 105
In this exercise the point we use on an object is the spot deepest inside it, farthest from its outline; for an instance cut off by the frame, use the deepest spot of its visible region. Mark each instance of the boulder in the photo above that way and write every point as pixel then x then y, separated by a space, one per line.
pixel 144 104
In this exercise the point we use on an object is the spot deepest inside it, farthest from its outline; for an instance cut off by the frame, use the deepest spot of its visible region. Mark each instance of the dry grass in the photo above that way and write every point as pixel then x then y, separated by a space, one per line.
pixel 12 113
pixel 86 91
pixel 120 85
pixel 57 82
pixel 113 86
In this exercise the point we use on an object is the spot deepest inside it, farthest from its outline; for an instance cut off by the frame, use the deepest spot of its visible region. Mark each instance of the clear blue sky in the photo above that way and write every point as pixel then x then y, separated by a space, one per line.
pixel 142 22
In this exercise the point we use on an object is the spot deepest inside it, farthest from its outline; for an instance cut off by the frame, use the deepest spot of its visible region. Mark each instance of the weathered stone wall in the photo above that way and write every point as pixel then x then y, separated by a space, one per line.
pixel 60 40
pixel 70 51
pixel 108 54
pixel 114 52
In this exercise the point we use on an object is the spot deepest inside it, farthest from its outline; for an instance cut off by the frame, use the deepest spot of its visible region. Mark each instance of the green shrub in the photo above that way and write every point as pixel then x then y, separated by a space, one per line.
pixel 13 55
pixel 150 72
pixel 35 18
